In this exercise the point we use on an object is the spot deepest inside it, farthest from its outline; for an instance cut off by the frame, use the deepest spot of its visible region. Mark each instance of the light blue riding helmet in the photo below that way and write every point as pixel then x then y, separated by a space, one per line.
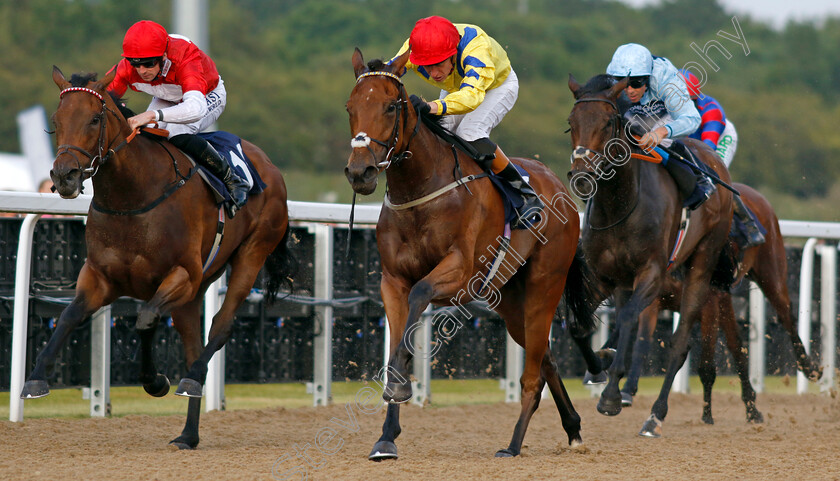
pixel 630 60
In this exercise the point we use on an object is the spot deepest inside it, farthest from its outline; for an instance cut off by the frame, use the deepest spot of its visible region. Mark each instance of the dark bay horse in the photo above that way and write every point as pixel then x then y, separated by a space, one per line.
pixel 144 243
pixel 436 245
pixel 632 225
pixel 770 274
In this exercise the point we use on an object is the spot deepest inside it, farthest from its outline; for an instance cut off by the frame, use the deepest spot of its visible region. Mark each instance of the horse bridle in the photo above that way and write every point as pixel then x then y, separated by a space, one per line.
pixel 363 140
pixel 104 153
pixel 584 152
pixel 580 151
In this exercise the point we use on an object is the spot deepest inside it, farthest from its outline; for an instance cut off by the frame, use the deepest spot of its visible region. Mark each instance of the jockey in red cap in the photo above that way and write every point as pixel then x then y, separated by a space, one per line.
pixel 188 95
pixel 478 88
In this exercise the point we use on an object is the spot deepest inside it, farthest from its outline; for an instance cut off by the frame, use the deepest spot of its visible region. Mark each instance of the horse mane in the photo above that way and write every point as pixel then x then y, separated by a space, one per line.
pixel 82 79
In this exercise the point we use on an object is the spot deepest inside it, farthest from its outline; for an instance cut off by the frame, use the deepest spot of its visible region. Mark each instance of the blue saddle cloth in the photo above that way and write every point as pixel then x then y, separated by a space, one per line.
pixel 511 198
pixel 229 147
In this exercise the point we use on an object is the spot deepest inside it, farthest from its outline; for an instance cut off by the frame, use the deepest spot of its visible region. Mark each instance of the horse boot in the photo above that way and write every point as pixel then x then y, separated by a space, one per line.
pixel 203 152
pixel 694 188
pixel 492 158
pixel 752 230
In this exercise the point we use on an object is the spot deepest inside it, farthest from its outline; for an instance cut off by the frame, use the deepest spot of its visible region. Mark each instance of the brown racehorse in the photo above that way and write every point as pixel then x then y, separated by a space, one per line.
pixel 437 250
pixel 771 277
pixel 152 246
pixel 632 224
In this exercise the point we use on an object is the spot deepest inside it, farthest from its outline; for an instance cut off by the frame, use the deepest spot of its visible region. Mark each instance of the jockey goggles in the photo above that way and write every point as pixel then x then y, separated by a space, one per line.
pixel 638 82
pixel 143 62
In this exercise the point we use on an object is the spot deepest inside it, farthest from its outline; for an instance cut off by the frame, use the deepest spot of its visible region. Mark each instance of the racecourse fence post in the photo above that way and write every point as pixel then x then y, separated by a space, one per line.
pixel 758 327
pixel 681 378
pixel 828 313
pixel 214 385
pixel 20 324
pixel 100 363
pixel 806 281
pixel 514 364
pixel 422 342
pixel 322 378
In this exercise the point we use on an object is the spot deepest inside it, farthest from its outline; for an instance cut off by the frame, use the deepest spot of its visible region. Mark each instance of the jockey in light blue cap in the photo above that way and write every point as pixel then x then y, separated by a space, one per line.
pixel 660 99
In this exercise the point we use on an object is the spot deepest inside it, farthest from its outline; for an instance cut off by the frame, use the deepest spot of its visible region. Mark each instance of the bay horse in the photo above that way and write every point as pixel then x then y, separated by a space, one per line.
pixel 435 236
pixel 149 232
pixel 633 222
pixel 770 274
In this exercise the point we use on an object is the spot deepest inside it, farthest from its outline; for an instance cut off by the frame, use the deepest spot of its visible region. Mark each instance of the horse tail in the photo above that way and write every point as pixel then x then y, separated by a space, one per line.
pixel 281 266
pixel 583 295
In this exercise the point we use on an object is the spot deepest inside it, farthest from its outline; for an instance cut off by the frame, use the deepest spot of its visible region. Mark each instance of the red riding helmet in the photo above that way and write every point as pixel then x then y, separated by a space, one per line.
pixel 433 40
pixel 691 82
pixel 145 39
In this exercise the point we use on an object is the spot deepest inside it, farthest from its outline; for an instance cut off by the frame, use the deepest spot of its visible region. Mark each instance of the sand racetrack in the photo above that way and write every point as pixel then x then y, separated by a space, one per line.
pixel 799 440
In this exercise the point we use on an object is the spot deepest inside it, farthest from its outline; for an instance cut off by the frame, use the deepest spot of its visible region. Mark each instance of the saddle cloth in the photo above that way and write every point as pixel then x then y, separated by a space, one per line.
pixel 229 147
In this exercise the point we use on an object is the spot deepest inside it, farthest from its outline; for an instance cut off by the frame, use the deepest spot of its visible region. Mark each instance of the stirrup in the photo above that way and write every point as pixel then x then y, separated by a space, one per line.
pixel 529 213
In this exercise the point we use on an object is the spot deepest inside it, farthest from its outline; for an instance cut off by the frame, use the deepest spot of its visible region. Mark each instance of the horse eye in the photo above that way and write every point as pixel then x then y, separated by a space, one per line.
pixel 391 107
pixel 95 120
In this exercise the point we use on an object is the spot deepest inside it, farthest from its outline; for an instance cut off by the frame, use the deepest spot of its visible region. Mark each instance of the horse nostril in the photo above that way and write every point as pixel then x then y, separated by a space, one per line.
pixel 371 172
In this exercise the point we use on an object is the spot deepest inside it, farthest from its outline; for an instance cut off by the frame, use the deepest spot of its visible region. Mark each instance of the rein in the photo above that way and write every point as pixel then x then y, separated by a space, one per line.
pixel 363 140
pixel 98 160
pixel 584 152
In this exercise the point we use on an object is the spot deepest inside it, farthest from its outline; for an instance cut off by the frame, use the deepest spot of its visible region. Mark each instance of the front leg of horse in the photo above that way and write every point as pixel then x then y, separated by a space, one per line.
pixel 36 384
pixel 531 392
pixel 385 448
pixel 91 290
pixel 154 383
pixel 398 386
pixel 641 347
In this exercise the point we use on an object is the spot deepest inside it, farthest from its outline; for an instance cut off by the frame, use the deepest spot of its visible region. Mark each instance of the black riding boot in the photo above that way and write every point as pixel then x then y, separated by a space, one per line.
pixel 754 235
pixel 531 203
pixel 204 153
pixel 694 188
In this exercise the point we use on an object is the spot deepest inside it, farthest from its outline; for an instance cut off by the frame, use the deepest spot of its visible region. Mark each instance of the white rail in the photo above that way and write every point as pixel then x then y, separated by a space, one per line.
pixel 35 204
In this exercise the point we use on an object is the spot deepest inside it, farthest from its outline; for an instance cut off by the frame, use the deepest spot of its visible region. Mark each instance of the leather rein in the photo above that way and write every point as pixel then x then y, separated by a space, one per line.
pixel 105 153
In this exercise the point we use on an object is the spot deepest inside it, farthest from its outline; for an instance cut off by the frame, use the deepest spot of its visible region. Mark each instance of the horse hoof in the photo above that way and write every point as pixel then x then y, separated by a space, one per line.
pixel 396 393
pixel 383 450
pixel 755 417
pixel 505 453
pixel 708 419
pixel 189 388
pixel 34 389
pixel 590 379
pixel 609 407
pixel 607 356
pixel 626 399
pixel 652 428
pixel 159 387
pixel 177 445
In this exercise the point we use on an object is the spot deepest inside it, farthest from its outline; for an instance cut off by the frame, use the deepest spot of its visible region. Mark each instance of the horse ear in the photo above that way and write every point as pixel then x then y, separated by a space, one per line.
pixel 59 79
pixel 616 89
pixel 574 86
pixel 359 66
pixel 109 77
pixel 398 64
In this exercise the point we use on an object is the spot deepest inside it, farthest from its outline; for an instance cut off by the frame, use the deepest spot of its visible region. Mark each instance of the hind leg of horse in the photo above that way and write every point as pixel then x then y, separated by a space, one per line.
pixel 187 321
pixel 736 348
pixel 528 318
pixel 708 332
pixel 771 277
pixel 644 336
pixel 570 418
pixel 647 290
pixel 90 296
